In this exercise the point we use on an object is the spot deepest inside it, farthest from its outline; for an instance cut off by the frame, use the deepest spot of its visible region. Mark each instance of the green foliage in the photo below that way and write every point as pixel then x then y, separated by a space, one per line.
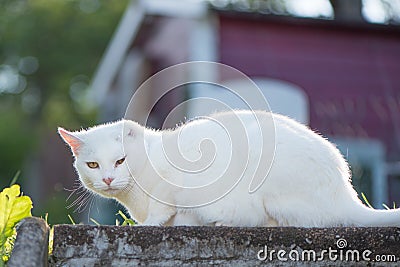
pixel 126 220
pixel 66 41
pixel 13 140
pixel 95 222
pixel 369 204
pixel 366 200
pixel 13 208
pixel 50 49
pixel 55 205
pixel 15 178
pixel 71 219
pixel 7 248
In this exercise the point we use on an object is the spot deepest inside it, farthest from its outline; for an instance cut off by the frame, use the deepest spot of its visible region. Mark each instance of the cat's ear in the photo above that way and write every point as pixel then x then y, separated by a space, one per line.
pixel 71 139
pixel 130 132
pixel 131 129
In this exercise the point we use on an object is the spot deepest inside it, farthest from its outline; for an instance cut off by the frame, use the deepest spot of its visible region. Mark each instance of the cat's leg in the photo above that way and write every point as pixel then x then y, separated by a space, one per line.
pixel 223 224
pixel 271 222
pixel 184 219
pixel 158 213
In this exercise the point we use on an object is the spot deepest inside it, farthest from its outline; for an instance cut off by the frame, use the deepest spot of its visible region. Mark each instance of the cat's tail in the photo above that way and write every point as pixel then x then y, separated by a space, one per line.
pixel 364 216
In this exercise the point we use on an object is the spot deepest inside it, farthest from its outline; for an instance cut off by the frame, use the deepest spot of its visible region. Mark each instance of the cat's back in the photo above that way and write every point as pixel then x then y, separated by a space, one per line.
pixel 244 126
pixel 289 138
pixel 279 127
pixel 224 120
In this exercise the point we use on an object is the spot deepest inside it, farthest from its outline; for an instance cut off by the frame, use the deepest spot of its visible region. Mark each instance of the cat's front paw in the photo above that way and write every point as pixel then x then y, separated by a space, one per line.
pixel 150 223
pixel 219 223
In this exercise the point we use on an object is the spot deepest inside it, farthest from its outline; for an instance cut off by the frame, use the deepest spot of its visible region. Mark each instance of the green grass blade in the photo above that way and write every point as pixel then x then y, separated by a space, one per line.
pixel 95 222
pixel 126 221
pixel 15 178
pixel 366 200
pixel 72 220
pixel 122 215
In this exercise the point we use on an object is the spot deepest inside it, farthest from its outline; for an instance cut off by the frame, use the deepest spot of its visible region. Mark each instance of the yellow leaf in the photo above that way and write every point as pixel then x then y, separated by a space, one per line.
pixel 13 208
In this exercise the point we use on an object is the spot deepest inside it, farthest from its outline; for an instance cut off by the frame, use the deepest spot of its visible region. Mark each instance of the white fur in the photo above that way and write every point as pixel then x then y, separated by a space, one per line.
pixel 308 184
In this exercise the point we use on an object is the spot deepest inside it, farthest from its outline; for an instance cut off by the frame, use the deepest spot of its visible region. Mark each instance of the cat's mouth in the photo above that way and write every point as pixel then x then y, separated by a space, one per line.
pixel 111 191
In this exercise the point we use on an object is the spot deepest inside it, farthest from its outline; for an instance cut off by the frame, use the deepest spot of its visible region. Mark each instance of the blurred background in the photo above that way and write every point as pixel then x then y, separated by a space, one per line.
pixel 331 64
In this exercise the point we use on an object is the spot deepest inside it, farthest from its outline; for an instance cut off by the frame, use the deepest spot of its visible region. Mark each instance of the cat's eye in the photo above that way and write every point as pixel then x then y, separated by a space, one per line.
pixel 92 165
pixel 120 161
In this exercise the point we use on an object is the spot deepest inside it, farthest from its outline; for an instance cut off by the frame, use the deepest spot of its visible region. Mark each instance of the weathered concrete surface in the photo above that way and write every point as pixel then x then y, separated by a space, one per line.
pixel 31 246
pixel 83 245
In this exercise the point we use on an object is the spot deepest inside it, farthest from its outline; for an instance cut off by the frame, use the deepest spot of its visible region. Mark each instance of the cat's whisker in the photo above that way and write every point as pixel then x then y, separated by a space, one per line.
pixel 77 191
pixel 127 189
pixel 76 201
pixel 77 183
pixel 78 188
pixel 81 198
pixel 84 203
pixel 92 201
pixel 69 190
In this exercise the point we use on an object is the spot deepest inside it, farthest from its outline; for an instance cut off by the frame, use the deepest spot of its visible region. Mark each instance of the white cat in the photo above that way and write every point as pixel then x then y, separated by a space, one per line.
pixel 211 171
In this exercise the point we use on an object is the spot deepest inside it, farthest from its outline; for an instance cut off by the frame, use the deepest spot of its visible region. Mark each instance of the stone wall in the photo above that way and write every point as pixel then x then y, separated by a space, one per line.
pixel 84 245
pixel 31 245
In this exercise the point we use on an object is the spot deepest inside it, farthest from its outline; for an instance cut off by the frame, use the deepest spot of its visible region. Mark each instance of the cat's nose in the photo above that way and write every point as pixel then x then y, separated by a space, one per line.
pixel 108 181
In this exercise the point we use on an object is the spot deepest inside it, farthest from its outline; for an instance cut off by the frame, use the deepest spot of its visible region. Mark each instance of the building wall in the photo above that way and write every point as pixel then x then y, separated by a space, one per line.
pixel 351 75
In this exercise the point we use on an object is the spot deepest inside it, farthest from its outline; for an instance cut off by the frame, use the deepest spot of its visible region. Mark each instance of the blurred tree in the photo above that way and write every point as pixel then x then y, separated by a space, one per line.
pixel 48 52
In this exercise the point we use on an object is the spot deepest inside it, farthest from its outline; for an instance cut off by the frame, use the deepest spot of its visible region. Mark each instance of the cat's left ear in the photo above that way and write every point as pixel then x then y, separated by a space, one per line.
pixel 131 129
pixel 71 139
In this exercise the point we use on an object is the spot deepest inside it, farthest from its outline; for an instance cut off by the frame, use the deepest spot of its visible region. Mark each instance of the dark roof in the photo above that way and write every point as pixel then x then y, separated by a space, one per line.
pixel 311 22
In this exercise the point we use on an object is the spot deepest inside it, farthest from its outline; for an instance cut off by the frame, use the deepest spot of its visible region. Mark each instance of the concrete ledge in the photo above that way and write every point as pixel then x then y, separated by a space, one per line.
pixel 83 245
pixel 31 246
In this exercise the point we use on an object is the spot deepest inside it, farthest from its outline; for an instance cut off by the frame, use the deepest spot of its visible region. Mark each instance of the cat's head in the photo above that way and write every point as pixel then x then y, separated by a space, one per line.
pixel 100 157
